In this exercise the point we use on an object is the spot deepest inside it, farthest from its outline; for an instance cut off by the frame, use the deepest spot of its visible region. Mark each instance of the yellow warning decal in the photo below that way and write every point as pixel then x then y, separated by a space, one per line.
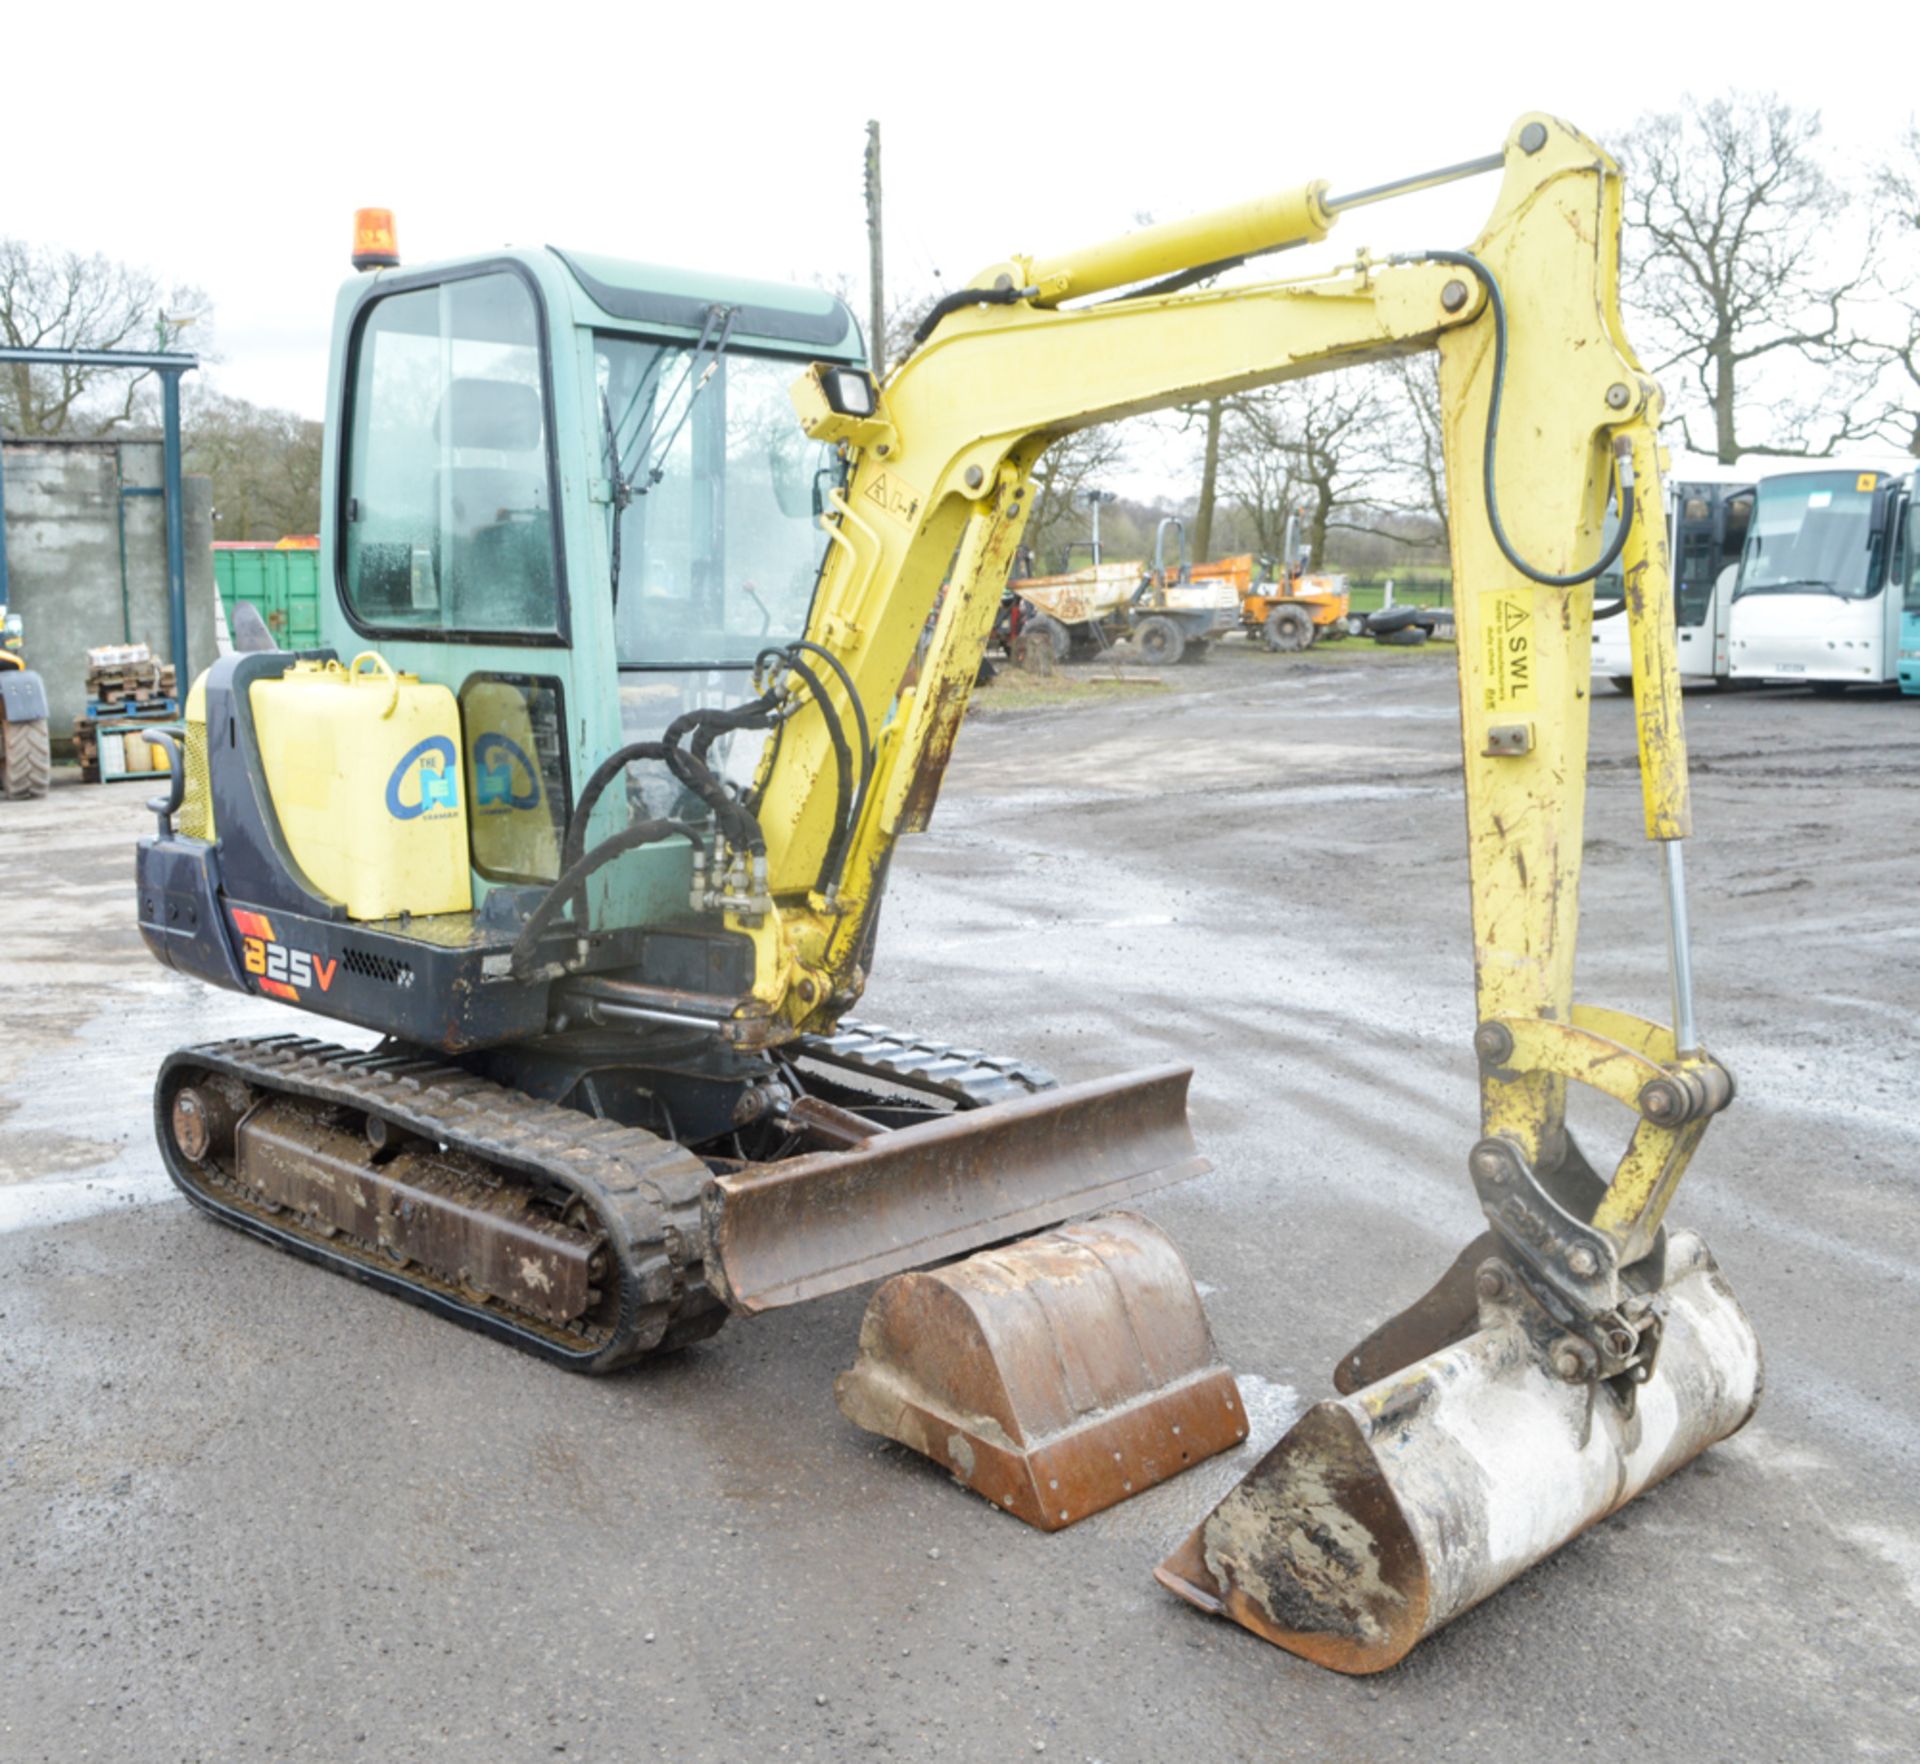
pixel 1508 675
pixel 893 495
pixel 1866 481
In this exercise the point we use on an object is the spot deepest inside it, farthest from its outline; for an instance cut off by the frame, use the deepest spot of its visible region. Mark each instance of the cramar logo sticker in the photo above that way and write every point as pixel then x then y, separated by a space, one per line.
pixel 497 764
pixel 433 765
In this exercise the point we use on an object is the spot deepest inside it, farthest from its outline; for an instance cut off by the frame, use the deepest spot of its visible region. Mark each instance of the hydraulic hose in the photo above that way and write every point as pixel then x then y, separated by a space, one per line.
pixel 572 879
pixel 688 765
pixel 1490 452
pixel 861 729
pixel 843 773
pixel 964 297
pixel 739 827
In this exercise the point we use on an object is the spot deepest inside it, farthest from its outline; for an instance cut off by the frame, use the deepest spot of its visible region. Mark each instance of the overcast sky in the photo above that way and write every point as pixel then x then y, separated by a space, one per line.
pixel 229 145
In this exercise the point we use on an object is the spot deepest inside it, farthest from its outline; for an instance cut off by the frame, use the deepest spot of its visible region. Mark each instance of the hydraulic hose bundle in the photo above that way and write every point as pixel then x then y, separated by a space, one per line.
pixel 683 748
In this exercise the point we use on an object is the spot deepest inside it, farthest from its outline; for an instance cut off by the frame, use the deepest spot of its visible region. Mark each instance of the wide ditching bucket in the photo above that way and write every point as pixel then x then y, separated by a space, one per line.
pixel 1385 1514
pixel 1056 1376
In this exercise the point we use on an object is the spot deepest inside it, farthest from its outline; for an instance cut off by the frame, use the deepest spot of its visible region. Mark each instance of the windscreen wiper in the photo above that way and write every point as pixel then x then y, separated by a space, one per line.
pixel 625 486
pixel 654 470
pixel 622 491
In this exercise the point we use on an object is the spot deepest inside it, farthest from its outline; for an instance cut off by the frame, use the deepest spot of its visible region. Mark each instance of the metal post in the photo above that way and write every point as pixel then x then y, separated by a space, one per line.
pixel 3 522
pixel 176 536
pixel 876 260
pixel 169 367
pixel 1686 1032
pixel 1094 500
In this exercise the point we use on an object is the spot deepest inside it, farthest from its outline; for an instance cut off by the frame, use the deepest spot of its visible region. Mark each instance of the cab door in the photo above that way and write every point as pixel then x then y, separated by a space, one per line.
pixel 446 547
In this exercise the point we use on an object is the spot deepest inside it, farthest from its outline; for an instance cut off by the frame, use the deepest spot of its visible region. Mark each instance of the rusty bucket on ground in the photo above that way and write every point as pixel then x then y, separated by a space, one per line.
pixel 1056 1376
pixel 1387 1513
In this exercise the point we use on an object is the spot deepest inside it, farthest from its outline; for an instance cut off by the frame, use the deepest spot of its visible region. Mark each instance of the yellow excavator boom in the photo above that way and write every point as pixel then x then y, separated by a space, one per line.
pixel 1575 1355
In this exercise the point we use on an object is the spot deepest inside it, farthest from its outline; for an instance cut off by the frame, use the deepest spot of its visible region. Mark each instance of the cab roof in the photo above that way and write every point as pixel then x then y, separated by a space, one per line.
pixel 657 296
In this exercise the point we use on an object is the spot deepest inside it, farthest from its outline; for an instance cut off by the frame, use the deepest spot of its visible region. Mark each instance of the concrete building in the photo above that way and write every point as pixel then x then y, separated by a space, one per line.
pixel 86 536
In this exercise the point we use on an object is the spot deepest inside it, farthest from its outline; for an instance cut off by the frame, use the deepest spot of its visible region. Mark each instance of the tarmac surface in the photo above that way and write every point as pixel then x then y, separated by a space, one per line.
pixel 249 1510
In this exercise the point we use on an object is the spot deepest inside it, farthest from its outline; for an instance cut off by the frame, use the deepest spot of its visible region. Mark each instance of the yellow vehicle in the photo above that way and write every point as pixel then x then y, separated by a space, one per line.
pixel 664 750
pixel 1172 610
pixel 26 764
pixel 1286 609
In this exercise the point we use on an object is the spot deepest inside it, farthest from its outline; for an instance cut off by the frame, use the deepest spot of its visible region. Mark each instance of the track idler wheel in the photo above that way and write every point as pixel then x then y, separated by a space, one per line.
pixel 203 1120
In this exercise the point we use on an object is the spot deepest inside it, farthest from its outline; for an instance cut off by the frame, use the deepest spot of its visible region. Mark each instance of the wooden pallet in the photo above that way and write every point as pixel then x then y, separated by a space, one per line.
pixel 131 683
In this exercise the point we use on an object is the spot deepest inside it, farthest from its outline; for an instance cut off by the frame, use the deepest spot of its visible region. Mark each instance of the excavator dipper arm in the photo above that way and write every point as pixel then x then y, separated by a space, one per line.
pixel 1532 350
pixel 1576 1355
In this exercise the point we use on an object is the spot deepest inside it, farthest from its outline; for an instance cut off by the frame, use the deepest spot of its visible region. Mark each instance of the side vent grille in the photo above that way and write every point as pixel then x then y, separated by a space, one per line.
pixel 369 965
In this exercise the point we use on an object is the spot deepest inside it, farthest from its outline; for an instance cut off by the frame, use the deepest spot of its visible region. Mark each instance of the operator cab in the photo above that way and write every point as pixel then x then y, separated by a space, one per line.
pixel 573 490
pixel 567 501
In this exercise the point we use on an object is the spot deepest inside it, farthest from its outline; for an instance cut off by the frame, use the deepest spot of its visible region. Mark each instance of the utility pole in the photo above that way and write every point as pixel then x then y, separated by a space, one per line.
pixel 876 259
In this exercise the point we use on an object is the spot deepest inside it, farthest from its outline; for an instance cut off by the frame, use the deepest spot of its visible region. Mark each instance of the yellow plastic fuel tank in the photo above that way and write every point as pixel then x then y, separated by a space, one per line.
pixel 363 765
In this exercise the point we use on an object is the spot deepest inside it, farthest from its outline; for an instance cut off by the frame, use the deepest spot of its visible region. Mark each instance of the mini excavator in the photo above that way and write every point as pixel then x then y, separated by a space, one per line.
pixel 592 826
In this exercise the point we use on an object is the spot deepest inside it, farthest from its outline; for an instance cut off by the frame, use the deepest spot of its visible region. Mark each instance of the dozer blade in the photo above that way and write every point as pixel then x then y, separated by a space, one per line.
pixel 1056 1376
pixel 1385 1514
pixel 823 1222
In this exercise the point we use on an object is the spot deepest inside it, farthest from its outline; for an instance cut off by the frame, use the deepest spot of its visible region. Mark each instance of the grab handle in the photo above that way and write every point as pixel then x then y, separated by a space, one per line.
pixel 385 667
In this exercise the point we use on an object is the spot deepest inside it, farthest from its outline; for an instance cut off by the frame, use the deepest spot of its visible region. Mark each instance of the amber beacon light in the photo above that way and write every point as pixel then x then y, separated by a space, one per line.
pixel 375 243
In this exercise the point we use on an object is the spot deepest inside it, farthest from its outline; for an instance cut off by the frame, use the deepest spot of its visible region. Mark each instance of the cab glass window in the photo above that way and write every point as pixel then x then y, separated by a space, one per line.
pixel 718 495
pixel 448 518
pixel 516 775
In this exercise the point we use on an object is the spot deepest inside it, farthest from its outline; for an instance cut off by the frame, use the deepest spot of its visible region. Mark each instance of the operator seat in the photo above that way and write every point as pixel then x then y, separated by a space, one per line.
pixel 498 568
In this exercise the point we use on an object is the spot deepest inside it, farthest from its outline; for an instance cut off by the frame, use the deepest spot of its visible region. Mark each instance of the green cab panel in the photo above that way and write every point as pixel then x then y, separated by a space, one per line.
pixel 485 419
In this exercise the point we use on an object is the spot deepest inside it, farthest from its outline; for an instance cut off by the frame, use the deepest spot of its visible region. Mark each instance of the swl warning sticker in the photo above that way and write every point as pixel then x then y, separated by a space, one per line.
pixel 1510 658
pixel 893 495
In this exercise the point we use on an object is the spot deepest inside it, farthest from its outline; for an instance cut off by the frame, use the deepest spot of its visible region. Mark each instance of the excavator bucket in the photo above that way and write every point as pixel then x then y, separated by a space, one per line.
pixel 1385 1514
pixel 1056 1376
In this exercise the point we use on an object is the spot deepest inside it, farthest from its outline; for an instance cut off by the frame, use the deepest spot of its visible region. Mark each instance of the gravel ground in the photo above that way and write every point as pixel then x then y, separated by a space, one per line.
pixel 250 1510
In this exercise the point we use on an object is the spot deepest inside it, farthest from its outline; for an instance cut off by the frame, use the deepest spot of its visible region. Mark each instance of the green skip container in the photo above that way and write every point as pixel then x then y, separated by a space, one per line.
pixel 281 582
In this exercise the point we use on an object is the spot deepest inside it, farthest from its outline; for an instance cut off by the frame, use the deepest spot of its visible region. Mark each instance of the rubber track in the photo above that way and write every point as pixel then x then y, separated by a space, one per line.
pixel 644 1190
pixel 971 1079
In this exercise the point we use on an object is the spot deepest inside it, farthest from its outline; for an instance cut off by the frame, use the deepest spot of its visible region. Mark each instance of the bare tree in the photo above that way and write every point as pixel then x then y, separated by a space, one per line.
pixel 1733 247
pixel 1069 467
pixel 1332 434
pixel 61 300
pixel 1415 438
pixel 1212 416
pixel 265 465
pixel 1897 357
pixel 1258 473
